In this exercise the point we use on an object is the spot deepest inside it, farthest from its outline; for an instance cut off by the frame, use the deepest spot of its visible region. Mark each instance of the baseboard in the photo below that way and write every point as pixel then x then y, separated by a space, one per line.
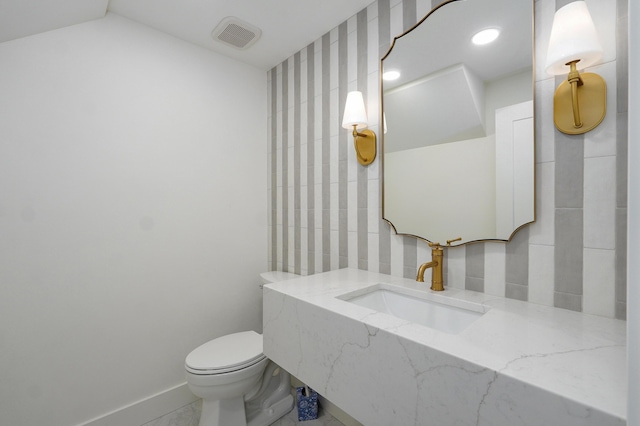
pixel 146 409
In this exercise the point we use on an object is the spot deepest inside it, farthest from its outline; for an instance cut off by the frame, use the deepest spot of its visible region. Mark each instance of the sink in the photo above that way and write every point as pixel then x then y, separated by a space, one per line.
pixel 431 310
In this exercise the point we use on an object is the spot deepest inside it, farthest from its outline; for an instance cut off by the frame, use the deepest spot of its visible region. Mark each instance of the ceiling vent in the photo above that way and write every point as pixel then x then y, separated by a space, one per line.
pixel 236 33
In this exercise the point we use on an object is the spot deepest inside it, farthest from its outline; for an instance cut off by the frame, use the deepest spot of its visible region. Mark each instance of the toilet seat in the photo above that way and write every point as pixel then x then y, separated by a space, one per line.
pixel 226 354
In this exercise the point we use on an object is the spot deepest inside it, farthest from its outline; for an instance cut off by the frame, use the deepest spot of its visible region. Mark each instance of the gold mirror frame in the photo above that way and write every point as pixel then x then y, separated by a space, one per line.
pixel 423 189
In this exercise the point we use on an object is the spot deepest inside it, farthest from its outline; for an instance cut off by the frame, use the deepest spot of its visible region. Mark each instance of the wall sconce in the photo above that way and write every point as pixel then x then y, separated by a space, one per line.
pixel 579 103
pixel 355 117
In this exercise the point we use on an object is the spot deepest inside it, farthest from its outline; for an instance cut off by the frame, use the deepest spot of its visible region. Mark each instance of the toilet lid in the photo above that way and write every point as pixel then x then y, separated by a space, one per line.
pixel 226 353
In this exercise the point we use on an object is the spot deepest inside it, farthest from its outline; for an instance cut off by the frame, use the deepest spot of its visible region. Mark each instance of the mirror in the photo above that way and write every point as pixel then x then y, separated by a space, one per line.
pixel 458 125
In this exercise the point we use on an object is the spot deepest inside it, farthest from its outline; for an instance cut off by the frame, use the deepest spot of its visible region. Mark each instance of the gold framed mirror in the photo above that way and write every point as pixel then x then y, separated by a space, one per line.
pixel 458 124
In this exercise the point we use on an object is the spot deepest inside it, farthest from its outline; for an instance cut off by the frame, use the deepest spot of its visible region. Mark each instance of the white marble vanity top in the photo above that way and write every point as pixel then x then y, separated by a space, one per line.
pixel 577 357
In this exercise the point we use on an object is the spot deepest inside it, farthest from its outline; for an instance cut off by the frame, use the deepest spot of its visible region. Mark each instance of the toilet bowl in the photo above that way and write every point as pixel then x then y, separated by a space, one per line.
pixel 238 384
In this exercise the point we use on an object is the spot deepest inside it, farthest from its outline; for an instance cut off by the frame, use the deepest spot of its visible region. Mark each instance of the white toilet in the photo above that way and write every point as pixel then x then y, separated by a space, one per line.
pixel 238 384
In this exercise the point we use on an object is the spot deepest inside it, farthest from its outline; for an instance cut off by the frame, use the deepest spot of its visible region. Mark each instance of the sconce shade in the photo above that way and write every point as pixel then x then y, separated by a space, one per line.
pixel 573 37
pixel 354 112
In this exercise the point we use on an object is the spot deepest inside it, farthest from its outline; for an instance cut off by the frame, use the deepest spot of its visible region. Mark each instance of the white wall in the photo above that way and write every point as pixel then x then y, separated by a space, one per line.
pixel 633 253
pixel 427 168
pixel 506 91
pixel 132 214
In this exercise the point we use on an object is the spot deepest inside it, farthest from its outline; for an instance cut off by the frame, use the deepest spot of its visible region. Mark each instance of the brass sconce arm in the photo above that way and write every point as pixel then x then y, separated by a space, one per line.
pixel 579 102
pixel 575 81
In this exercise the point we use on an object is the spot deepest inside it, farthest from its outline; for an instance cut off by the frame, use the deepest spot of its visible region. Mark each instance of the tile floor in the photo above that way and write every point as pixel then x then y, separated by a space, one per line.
pixel 189 415
pixel 291 419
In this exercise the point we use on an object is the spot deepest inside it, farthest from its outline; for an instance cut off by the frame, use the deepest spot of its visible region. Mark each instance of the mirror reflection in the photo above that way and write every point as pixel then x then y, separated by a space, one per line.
pixel 458 145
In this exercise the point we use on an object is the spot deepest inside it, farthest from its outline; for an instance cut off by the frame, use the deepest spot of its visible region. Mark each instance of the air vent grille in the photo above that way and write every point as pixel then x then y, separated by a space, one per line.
pixel 236 33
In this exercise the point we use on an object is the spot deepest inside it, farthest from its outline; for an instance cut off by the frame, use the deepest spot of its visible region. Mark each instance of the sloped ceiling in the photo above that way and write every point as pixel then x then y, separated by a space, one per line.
pixel 21 18
pixel 287 25
pixel 458 114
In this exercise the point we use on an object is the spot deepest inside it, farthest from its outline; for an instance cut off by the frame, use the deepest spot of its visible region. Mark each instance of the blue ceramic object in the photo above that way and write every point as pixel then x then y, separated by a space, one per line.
pixel 307 404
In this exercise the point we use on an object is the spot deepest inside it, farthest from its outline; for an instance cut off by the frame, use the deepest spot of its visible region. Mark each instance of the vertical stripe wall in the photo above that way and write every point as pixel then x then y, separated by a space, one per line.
pixel 325 209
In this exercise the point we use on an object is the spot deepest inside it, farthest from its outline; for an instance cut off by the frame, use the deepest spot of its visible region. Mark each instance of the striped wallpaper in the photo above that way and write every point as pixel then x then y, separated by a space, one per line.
pixel 325 209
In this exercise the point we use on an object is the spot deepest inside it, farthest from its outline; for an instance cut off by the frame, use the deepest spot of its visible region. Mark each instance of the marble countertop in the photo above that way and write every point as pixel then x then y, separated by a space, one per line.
pixel 577 356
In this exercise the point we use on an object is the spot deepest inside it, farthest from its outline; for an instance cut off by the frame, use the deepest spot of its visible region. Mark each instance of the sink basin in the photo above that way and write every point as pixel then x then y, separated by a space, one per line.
pixel 434 311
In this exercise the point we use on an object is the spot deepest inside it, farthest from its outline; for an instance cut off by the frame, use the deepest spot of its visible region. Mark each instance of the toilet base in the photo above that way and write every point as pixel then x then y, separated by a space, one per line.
pixel 267 416
pixel 223 412
pixel 273 400
pixel 235 412
pixel 269 401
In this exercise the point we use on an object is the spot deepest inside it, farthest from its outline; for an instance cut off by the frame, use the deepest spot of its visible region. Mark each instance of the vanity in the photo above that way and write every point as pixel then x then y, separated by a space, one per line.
pixel 512 363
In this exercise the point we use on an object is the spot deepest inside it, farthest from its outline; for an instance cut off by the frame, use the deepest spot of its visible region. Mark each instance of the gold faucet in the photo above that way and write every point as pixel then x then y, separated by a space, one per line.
pixel 436 263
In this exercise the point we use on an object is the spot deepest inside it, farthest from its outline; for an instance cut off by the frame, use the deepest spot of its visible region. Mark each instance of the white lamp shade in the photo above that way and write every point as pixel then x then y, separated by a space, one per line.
pixel 354 112
pixel 573 37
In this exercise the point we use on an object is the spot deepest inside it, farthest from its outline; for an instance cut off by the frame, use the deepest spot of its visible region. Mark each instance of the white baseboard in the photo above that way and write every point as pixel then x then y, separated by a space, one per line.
pixel 146 409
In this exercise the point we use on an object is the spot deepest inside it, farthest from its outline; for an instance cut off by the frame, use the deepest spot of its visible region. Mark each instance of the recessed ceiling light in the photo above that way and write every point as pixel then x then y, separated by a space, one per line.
pixel 485 36
pixel 391 75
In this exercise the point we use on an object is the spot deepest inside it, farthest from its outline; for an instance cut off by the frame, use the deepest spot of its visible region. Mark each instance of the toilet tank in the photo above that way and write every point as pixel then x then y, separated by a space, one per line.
pixel 276 276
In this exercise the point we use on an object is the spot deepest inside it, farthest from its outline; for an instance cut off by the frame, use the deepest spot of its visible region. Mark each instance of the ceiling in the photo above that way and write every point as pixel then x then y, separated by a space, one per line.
pixel 287 25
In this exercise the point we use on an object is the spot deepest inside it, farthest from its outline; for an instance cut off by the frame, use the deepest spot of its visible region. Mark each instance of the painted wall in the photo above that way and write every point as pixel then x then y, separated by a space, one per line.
pixel 132 214
pixel 325 209
pixel 423 164
pixel 633 291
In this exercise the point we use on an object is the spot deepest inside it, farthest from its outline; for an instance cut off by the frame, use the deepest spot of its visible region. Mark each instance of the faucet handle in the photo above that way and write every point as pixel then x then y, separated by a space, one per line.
pixel 454 240
pixel 434 245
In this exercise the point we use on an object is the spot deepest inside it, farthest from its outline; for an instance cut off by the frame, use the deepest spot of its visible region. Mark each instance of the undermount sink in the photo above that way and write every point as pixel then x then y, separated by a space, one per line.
pixel 431 310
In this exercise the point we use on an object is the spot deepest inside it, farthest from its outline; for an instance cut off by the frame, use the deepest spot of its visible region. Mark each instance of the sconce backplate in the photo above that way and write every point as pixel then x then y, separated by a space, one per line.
pixel 365 144
pixel 592 101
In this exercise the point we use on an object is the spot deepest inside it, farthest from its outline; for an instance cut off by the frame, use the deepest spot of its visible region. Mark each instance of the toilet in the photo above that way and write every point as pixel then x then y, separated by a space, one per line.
pixel 238 384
